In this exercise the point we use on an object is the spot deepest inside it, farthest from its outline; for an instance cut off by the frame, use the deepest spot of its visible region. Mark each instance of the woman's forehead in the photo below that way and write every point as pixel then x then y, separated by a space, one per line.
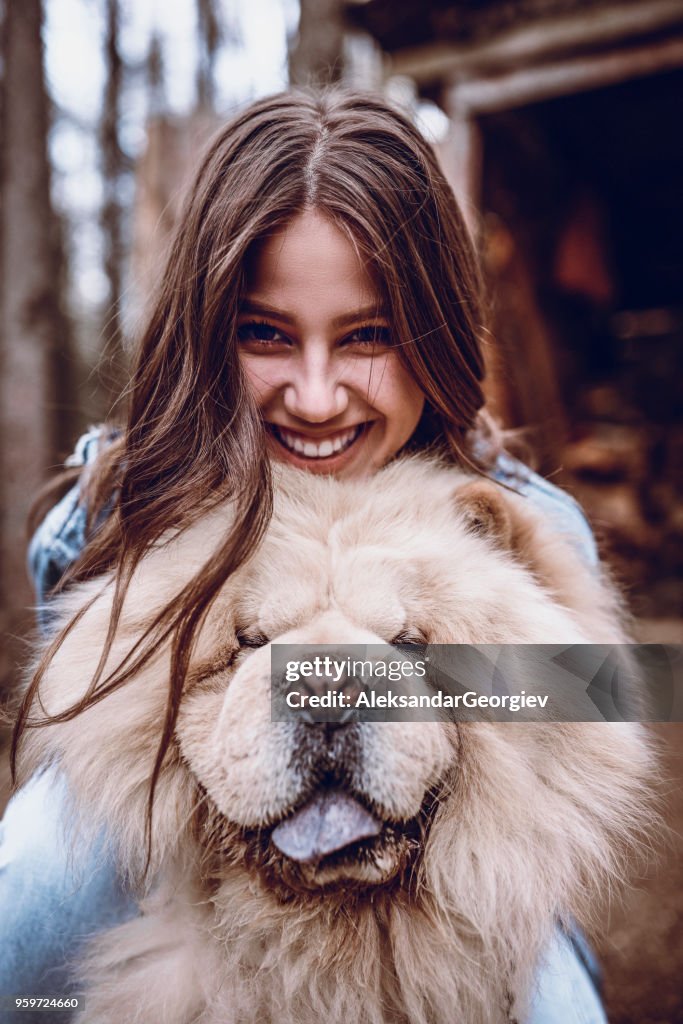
pixel 312 264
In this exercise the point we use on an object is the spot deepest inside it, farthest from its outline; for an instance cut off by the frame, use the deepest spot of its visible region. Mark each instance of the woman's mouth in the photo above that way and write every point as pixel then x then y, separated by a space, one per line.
pixel 323 448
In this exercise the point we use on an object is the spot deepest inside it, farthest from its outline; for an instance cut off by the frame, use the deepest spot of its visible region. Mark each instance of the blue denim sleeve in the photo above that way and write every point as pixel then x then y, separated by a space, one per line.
pixel 561 510
pixel 60 538
pixel 565 991
pixel 52 895
pixel 57 543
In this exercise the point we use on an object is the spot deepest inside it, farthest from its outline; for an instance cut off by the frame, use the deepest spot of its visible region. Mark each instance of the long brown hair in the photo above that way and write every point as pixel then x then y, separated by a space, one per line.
pixel 193 434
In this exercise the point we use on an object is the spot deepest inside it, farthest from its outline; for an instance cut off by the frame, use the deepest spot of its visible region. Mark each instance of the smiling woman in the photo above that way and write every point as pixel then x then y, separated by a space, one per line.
pixel 320 360
pixel 321 306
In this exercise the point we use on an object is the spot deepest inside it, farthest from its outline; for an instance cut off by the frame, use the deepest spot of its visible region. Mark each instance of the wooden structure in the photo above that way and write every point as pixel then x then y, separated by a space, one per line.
pixel 563 151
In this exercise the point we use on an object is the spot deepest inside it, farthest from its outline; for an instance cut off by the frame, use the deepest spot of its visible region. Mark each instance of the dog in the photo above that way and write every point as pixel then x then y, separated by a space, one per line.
pixel 461 844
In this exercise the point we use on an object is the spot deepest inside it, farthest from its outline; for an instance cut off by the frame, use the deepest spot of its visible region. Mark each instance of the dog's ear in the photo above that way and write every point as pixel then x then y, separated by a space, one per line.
pixel 489 511
pixel 486 513
pixel 516 524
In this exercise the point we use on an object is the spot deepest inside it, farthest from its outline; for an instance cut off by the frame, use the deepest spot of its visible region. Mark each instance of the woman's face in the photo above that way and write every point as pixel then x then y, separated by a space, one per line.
pixel 316 348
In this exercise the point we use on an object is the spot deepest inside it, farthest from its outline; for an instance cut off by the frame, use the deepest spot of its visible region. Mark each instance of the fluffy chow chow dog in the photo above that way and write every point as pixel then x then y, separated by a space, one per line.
pixel 444 852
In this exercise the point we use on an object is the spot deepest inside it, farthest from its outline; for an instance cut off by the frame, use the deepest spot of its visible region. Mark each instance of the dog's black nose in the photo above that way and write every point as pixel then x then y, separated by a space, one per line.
pixel 327 720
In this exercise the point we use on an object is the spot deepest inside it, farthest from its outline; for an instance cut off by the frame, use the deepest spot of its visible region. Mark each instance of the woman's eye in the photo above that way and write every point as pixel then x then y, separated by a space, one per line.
pixel 260 334
pixel 373 336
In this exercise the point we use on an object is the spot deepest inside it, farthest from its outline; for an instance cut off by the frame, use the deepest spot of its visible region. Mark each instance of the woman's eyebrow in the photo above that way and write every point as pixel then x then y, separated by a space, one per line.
pixel 373 312
pixel 260 309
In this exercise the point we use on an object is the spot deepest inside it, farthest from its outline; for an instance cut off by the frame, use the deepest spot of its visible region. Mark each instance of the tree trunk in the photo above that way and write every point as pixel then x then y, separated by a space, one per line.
pixel 317 56
pixel 209 37
pixel 32 322
pixel 113 166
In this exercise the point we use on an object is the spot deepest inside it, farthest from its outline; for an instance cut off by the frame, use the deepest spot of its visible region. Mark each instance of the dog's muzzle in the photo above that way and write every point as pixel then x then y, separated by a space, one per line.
pixel 337 838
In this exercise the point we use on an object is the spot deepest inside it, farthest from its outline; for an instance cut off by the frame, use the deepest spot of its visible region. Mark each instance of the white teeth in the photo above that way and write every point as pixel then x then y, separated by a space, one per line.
pixel 321 450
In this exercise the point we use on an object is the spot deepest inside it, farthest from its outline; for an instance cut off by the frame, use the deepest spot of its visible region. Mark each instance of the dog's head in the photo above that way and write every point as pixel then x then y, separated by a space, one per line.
pixel 466 815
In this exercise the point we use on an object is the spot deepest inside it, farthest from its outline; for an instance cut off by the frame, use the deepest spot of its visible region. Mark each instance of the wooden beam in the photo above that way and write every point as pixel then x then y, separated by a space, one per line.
pixel 540 40
pixel 531 85
pixel 460 158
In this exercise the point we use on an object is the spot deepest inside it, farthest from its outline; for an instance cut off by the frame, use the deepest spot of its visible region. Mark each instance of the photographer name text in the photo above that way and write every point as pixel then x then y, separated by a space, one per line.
pixel 371 699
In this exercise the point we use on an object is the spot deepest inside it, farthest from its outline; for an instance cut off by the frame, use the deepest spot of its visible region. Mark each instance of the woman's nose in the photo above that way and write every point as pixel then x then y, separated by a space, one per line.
pixel 315 393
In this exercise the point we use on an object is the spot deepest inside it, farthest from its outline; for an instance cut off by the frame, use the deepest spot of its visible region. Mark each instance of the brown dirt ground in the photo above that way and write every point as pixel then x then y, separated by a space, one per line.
pixel 642 951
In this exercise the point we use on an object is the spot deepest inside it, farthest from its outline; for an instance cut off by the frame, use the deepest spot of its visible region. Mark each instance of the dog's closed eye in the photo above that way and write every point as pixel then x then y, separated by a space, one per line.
pixel 251 638
pixel 409 638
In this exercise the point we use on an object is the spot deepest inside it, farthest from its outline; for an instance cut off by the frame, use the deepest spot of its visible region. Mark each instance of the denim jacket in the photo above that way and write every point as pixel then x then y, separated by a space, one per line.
pixel 61 536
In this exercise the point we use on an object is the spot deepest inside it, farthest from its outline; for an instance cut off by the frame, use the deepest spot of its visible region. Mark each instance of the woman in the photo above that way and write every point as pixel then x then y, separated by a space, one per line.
pixel 321 305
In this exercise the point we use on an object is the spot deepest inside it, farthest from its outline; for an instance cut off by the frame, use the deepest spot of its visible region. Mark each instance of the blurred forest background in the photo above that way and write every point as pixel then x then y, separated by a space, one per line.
pixel 558 124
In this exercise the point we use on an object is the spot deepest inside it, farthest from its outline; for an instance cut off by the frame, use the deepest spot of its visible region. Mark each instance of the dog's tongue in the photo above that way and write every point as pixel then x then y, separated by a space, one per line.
pixel 327 823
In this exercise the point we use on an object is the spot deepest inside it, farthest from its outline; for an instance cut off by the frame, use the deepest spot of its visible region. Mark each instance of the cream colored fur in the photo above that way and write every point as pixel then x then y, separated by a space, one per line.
pixel 532 823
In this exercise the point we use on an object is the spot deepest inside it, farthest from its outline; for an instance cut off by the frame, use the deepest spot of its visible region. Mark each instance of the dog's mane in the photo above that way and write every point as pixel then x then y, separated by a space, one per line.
pixel 467 934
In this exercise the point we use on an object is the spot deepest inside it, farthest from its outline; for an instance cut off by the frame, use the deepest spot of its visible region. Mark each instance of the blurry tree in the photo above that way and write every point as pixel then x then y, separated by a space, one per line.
pixel 34 332
pixel 114 166
pixel 155 81
pixel 210 35
pixel 316 57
